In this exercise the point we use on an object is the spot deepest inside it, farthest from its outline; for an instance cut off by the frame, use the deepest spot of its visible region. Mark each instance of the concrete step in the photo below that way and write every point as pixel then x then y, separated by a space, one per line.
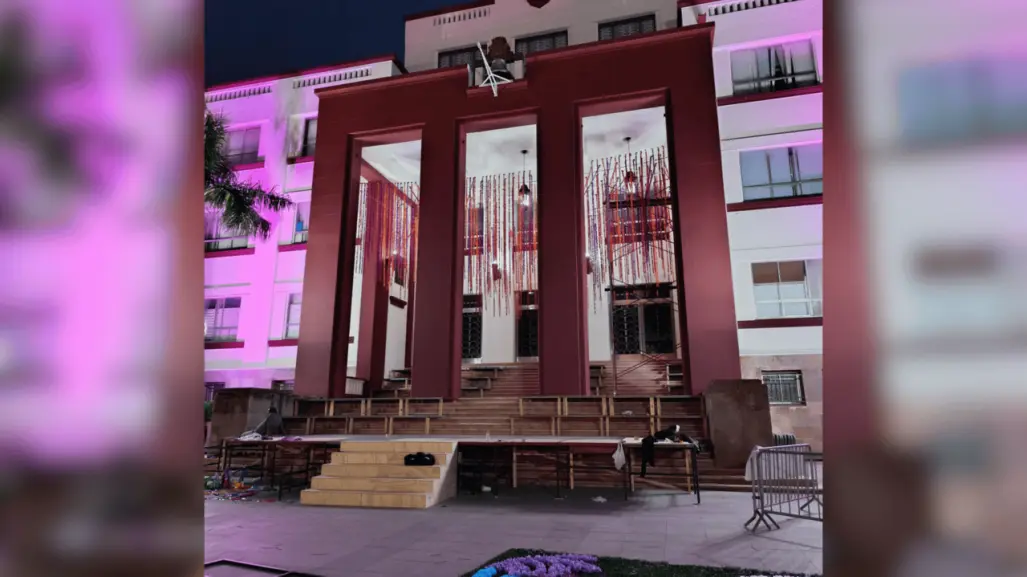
pixel 373 485
pixel 381 471
pixel 365 499
pixel 362 458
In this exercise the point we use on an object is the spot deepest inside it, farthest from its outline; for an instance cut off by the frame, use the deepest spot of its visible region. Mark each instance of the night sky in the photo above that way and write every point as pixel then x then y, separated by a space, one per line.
pixel 251 38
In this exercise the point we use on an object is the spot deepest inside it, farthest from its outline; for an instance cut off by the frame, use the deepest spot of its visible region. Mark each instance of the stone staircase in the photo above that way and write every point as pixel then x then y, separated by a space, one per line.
pixel 372 474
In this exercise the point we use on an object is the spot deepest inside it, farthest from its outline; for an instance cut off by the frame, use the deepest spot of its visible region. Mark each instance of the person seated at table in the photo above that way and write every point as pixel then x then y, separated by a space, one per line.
pixel 272 426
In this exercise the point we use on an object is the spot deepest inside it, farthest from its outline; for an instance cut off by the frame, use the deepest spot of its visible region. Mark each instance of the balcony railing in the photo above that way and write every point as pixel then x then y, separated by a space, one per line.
pixel 732 7
pixel 225 243
pixel 242 158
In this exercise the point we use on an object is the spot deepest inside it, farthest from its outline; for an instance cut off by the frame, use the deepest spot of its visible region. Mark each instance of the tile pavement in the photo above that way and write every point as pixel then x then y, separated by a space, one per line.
pixel 449 540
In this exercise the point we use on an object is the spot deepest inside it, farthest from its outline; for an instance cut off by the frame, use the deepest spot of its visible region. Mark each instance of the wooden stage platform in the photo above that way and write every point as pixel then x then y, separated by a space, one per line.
pixel 368 470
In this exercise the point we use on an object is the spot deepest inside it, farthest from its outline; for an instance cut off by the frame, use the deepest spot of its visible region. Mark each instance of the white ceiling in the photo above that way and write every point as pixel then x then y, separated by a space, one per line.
pixel 499 151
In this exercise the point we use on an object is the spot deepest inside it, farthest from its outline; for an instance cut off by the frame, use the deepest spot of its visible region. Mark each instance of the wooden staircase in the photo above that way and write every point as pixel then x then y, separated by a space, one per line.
pixel 372 474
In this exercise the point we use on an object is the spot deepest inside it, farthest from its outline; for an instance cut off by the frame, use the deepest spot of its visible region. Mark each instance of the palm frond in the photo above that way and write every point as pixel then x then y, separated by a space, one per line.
pixel 240 204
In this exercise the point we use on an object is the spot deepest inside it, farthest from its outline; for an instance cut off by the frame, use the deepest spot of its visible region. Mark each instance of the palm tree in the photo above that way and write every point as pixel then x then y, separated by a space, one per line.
pixel 240 204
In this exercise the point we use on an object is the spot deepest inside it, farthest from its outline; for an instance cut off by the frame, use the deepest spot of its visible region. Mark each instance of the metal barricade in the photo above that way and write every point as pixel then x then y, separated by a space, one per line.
pixel 785 482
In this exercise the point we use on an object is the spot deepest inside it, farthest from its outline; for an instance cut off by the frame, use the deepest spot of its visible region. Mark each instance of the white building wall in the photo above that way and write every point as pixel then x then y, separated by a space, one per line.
pixel 266 278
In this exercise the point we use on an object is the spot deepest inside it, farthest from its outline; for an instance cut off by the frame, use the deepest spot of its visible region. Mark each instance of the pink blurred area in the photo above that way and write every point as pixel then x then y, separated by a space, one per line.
pixel 102 279
pixel 925 337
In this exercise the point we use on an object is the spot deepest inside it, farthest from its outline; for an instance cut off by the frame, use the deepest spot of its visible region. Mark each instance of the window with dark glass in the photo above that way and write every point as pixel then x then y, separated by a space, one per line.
pixel 243 146
pixel 527 324
pixel 627 27
pixel 782 172
pixel 471 340
pixel 461 57
pixel 773 68
pixel 309 137
pixel 540 43
pixel 784 387
pixel 643 319
pixel 955 100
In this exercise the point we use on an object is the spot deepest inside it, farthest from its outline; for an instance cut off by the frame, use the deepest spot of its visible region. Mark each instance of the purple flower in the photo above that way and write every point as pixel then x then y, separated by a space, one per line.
pixel 565 565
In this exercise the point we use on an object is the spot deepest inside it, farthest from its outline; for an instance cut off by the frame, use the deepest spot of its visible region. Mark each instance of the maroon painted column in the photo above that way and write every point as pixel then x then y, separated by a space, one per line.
pixel 323 350
pixel 706 305
pixel 563 324
pixel 374 305
pixel 436 354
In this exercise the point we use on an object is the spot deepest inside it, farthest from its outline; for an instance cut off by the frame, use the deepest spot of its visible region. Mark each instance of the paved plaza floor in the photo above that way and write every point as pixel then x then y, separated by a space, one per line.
pixel 459 535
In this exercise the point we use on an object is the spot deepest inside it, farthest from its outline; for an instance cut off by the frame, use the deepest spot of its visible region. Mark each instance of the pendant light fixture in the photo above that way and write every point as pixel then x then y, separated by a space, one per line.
pixel 525 190
pixel 629 176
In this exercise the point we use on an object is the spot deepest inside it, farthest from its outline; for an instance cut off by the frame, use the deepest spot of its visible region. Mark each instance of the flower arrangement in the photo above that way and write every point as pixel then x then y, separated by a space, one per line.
pixel 565 565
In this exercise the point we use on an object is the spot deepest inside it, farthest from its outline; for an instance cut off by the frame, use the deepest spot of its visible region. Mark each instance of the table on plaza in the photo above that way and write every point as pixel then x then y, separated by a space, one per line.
pixel 563 450
pixel 264 456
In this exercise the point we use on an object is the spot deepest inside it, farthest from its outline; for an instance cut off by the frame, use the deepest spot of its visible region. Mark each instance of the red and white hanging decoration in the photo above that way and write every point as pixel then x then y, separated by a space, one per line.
pixel 629 219
pixel 500 237
pixel 387 226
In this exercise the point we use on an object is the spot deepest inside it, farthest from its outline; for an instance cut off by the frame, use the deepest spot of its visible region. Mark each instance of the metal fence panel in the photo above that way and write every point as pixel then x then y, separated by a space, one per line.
pixel 786 482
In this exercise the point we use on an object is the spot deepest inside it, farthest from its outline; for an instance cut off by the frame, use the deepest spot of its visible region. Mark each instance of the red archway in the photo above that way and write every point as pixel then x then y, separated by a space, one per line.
pixel 672 68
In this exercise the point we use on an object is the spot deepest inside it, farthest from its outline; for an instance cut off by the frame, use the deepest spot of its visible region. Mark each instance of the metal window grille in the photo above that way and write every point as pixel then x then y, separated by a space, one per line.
pixel 643 319
pixel 222 318
pixel 784 387
pixel 527 325
pixel 774 68
pixel 309 137
pixel 627 27
pixel 243 146
pixel 788 289
pixel 292 316
pixel 471 340
pixel 782 172
pixel 540 43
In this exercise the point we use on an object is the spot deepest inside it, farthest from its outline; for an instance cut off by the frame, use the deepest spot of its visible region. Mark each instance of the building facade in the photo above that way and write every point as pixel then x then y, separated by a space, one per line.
pixel 767 73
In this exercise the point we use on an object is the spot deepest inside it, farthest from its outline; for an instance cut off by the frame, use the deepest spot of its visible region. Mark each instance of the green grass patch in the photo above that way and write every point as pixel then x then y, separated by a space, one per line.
pixel 619 567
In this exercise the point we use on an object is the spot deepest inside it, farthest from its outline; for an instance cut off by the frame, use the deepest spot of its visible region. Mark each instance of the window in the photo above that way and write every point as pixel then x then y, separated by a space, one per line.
pixel 540 43
pixel 783 172
pixel 773 68
pixel 461 57
pixel 527 325
pixel 788 289
pixel 643 319
pixel 948 101
pixel 292 316
pixel 784 387
pixel 471 340
pixel 628 27
pixel 474 227
pixel 210 389
pixel 222 318
pixel 243 146
pixel 283 386
pixel 302 230
pixel 309 137
pixel 216 237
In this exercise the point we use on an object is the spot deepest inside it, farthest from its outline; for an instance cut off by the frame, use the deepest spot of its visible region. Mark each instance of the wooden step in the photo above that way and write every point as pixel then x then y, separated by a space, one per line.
pixel 365 499
pixel 403 447
pixel 375 485
pixel 362 458
pixel 381 471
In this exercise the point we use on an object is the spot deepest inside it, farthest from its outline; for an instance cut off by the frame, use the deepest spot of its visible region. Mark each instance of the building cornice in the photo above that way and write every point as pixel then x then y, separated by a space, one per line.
pixel 256 82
